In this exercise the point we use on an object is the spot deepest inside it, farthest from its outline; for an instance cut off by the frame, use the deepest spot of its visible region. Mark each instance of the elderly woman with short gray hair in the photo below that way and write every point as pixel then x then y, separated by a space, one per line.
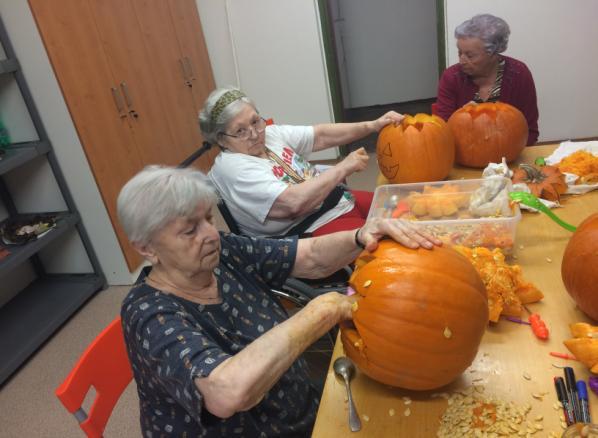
pixel 484 75
pixel 264 176
pixel 213 352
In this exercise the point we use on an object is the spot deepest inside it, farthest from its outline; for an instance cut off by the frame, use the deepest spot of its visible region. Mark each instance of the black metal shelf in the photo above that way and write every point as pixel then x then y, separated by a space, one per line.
pixel 21 153
pixel 10 65
pixel 37 312
pixel 19 253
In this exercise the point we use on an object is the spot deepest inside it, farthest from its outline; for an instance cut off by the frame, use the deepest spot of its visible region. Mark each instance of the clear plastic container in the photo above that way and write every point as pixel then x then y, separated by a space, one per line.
pixel 450 210
pixel 579 430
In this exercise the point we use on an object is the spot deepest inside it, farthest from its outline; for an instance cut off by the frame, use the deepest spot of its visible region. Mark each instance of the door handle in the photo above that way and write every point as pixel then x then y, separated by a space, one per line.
pixel 189 68
pixel 118 101
pixel 128 100
pixel 186 76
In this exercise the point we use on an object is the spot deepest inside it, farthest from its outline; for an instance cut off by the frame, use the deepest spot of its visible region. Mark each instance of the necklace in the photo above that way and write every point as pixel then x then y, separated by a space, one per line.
pixel 190 294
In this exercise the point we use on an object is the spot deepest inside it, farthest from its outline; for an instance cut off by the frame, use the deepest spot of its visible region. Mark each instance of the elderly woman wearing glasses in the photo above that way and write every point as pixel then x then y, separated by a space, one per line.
pixel 213 352
pixel 484 75
pixel 263 174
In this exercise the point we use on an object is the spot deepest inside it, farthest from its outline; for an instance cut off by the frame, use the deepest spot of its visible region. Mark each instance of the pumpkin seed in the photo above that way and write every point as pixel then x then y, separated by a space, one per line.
pixel 526 376
pixel 367 283
pixel 407 412
pixel 548 259
pixel 539 418
pixel 354 306
pixel 365 417
pixel 391 412
pixel 447 333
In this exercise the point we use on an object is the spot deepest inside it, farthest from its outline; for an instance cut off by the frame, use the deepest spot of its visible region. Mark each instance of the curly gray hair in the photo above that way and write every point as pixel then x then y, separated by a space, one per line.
pixel 159 194
pixel 493 31
pixel 212 124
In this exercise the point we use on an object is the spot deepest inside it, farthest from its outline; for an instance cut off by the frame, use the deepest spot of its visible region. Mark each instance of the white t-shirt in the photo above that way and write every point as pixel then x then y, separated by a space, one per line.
pixel 249 185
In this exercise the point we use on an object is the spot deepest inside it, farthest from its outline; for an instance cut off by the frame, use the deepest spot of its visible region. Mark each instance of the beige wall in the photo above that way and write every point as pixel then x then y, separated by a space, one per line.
pixel 558 41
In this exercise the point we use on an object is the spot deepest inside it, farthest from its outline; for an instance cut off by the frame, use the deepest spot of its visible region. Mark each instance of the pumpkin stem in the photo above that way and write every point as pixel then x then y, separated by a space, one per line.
pixel 534 175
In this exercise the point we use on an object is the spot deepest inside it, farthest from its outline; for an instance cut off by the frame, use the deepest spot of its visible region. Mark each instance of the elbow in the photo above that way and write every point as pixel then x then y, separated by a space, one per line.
pixel 224 399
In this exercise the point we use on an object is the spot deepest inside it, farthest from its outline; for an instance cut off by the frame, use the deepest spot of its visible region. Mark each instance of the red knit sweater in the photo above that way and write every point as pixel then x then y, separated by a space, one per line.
pixel 456 88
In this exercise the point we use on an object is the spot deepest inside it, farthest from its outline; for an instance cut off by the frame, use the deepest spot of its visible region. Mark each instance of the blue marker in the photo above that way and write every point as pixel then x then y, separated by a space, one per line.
pixel 582 393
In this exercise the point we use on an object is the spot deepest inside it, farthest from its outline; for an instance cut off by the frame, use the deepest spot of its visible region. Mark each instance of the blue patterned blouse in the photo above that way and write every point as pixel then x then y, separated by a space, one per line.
pixel 171 341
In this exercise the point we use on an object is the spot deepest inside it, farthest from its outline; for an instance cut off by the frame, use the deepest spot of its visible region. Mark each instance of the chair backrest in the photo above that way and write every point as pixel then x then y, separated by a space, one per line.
pixel 104 366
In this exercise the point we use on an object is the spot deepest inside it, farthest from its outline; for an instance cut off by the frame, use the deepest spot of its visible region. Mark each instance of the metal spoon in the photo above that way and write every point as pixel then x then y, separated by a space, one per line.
pixel 345 368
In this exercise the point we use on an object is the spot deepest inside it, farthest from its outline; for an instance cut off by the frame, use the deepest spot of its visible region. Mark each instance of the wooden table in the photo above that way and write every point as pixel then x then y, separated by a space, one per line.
pixel 507 352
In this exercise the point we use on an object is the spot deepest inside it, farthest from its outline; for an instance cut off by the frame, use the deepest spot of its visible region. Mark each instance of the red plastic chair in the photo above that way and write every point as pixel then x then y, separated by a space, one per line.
pixel 105 366
pixel 435 109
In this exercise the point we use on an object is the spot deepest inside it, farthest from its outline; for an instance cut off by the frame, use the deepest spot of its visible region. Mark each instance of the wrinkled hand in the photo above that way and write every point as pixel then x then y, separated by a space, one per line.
pixel 403 231
pixel 389 117
pixel 356 161
pixel 339 303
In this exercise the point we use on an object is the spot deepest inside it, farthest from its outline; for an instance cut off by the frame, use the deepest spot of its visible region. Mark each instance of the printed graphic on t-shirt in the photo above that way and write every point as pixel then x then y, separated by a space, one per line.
pixel 302 167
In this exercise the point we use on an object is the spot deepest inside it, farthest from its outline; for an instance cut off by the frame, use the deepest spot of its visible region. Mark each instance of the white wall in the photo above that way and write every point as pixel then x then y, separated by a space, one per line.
pixel 389 50
pixel 273 50
pixel 558 41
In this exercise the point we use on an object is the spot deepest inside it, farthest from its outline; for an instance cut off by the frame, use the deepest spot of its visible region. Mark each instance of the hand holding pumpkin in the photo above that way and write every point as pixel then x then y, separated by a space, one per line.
pixel 402 231
pixel 340 306
pixel 386 119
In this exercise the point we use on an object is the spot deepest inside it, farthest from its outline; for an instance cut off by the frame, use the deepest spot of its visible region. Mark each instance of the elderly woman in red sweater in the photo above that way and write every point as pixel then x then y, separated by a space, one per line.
pixel 484 75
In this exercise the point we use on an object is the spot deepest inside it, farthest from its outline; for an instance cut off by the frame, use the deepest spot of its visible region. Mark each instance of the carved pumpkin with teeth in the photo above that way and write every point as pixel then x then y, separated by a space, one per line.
pixel 419 149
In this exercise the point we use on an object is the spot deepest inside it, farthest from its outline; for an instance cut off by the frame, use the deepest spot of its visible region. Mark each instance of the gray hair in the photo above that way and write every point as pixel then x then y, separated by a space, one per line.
pixel 159 194
pixel 493 31
pixel 211 128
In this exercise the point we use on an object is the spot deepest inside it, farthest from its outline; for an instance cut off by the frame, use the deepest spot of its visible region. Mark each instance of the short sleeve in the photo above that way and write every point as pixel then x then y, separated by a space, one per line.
pixel 173 346
pixel 271 259
pixel 247 183
pixel 299 138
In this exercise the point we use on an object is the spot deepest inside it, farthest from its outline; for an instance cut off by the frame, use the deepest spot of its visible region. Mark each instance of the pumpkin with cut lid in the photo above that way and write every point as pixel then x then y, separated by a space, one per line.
pixel 419 149
pixel 486 132
pixel 419 318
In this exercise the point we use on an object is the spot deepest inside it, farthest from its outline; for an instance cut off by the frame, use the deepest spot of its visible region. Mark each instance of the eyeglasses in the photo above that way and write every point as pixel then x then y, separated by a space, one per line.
pixel 257 126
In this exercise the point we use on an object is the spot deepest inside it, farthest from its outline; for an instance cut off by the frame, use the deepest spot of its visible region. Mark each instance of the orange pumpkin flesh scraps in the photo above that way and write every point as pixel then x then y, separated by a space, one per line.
pixel 546 182
pixel 507 290
pixel 584 344
pixel 420 317
pixel 579 268
pixel 486 132
pixel 419 149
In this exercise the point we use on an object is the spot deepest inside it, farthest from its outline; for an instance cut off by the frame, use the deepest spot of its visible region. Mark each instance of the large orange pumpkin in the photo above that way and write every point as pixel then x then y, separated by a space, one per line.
pixel 419 149
pixel 420 316
pixel 579 268
pixel 486 132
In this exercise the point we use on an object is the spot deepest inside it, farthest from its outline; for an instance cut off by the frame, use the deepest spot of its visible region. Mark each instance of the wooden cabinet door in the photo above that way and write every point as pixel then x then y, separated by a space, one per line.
pixel 130 59
pixel 170 71
pixel 187 25
pixel 75 50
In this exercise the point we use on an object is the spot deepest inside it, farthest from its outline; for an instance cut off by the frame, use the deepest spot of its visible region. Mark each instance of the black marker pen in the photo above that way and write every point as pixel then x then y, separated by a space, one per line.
pixel 561 393
pixel 572 392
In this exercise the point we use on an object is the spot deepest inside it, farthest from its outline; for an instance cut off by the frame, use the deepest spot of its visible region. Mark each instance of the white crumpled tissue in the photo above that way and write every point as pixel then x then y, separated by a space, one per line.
pixel 501 169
